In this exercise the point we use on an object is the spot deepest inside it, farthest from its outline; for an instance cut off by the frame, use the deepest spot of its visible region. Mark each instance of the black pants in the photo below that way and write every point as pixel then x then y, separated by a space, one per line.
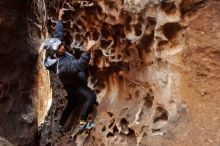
pixel 74 92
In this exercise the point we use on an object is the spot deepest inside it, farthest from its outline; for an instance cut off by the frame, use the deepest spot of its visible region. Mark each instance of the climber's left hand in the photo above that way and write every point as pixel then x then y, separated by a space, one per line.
pixel 90 44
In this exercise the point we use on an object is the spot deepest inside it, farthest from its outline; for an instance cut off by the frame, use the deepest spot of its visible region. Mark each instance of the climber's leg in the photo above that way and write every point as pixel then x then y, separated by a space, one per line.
pixel 90 99
pixel 66 112
pixel 70 105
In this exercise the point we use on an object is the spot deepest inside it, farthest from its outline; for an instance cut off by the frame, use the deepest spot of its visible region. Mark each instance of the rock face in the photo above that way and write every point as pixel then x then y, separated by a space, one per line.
pixel 21 72
pixel 155 70
pixel 4 142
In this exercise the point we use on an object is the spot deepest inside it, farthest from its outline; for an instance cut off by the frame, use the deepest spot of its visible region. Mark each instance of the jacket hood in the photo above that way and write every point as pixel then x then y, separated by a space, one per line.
pixel 51 64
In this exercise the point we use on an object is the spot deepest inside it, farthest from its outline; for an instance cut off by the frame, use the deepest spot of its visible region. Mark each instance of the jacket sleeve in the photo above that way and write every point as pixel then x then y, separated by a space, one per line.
pixel 59 30
pixel 79 64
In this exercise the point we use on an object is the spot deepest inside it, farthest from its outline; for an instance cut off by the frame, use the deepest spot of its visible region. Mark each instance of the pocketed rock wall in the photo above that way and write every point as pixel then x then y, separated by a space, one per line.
pixel 24 83
pixel 156 70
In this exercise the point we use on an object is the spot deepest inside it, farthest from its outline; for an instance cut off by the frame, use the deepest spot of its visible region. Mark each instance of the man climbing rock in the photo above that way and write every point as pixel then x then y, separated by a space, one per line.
pixel 71 73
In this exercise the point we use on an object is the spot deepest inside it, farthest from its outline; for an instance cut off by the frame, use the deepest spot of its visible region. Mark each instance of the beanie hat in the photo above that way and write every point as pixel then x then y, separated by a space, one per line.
pixel 52 44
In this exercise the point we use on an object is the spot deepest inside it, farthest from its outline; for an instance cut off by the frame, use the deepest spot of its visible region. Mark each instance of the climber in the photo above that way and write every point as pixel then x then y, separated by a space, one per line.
pixel 71 73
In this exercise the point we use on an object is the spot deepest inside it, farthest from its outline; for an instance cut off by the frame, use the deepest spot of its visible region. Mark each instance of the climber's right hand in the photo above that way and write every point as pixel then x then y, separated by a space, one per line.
pixel 61 12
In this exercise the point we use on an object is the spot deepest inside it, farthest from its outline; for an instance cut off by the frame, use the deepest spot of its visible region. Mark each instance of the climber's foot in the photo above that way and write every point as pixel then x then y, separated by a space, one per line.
pixel 90 125
pixel 86 126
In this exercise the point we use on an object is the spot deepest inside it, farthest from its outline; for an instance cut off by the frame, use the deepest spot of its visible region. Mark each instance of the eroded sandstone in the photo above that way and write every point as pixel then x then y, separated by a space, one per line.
pixel 23 80
pixel 155 70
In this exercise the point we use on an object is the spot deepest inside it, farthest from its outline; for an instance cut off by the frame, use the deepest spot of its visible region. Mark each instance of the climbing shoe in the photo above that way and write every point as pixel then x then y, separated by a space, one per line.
pixel 60 129
pixel 82 125
pixel 86 126
pixel 90 125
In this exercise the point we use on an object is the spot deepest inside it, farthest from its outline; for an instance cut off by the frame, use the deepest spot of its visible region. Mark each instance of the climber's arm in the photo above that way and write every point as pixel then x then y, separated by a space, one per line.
pixel 81 63
pixel 59 26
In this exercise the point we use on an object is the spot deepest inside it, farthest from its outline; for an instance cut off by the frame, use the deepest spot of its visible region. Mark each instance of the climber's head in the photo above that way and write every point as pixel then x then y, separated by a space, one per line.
pixel 54 46
pixel 61 50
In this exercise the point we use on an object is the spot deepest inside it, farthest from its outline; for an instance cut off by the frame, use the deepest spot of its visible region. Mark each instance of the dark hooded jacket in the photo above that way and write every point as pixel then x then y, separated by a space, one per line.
pixel 69 69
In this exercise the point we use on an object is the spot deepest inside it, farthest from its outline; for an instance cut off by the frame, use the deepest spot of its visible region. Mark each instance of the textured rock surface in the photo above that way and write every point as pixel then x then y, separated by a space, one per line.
pixel 21 75
pixel 200 83
pixel 156 71
pixel 4 142
pixel 42 90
